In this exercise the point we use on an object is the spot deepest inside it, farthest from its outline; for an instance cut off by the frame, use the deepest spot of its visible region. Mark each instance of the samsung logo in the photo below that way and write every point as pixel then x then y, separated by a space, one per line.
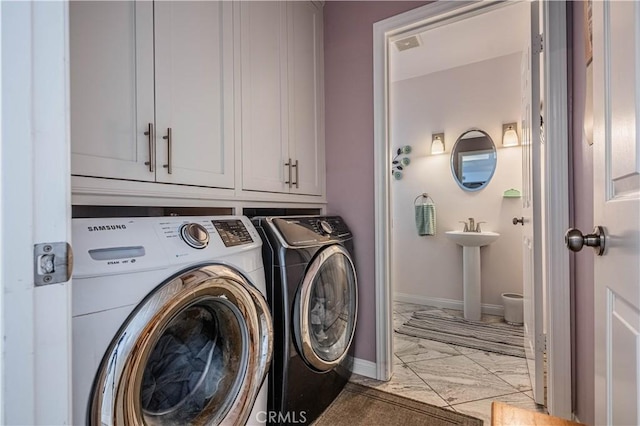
pixel 106 227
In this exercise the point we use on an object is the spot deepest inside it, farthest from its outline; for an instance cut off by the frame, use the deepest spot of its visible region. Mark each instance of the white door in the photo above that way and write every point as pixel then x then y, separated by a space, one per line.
pixel 532 213
pixel 35 207
pixel 111 50
pixel 616 42
pixel 306 98
pixel 263 51
pixel 194 93
pixel 282 97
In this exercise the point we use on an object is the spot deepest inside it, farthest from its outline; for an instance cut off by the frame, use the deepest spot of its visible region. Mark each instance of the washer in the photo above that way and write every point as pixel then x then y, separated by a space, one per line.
pixel 313 294
pixel 170 324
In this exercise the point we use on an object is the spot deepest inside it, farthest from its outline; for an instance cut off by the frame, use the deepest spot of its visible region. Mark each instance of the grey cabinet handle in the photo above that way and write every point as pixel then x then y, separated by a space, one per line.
pixel 288 164
pixel 169 147
pixel 150 137
pixel 297 167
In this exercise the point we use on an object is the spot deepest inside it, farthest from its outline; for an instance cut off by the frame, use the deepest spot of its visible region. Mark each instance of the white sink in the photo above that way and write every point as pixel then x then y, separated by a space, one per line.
pixel 472 239
pixel 471 273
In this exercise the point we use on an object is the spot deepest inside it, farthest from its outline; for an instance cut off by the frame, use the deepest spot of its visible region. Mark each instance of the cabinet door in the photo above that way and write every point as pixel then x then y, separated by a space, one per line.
pixel 306 99
pixel 264 107
pixel 111 66
pixel 194 92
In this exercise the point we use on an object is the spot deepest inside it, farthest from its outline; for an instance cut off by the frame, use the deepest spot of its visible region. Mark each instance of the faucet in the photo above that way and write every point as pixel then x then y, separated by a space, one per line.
pixel 472 226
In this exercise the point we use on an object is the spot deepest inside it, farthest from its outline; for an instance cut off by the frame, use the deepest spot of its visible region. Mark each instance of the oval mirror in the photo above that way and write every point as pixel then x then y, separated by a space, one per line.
pixel 473 160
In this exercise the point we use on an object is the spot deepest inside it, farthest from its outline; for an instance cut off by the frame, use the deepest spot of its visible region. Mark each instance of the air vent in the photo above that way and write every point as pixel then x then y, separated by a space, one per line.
pixel 407 43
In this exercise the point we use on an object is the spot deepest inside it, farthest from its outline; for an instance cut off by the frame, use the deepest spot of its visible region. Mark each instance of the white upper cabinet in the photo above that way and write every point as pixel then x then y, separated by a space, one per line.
pixel 224 96
pixel 282 97
pixel 194 92
pixel 111 49
pixel 263 78
pixel 306 96
pixel 114 46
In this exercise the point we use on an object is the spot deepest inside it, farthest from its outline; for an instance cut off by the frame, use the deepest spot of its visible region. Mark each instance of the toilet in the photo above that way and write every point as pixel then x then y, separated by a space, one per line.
pixel 513 308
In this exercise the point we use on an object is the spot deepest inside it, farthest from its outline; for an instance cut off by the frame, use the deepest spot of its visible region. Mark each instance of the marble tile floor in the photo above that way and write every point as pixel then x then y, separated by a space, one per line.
pixel 453 377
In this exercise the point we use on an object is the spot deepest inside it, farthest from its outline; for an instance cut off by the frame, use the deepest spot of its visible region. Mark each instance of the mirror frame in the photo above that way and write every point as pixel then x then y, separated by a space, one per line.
pixel 452 159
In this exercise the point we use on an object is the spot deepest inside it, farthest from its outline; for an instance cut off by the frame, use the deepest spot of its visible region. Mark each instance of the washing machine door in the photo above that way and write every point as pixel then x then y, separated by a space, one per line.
pixel 195 351
pixel 326 308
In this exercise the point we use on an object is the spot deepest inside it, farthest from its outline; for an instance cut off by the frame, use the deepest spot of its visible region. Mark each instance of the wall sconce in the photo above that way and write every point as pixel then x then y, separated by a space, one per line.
pixel 398 165
pixel 437 143
pixel 509 135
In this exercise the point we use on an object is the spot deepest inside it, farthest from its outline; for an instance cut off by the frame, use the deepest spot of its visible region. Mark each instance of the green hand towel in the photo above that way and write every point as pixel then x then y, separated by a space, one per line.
pixel 426 219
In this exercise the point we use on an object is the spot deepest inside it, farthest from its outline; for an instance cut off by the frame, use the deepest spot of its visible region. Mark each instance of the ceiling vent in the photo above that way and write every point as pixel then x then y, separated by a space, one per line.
pixel 407 43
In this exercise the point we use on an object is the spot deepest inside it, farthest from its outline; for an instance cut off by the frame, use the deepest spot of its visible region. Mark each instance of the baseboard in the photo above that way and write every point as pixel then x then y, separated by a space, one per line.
pixel 445 303
pixel 365 368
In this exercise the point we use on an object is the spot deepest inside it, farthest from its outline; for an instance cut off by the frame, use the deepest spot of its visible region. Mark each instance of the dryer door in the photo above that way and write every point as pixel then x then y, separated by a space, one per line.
pixel 326 309
pixel 195 351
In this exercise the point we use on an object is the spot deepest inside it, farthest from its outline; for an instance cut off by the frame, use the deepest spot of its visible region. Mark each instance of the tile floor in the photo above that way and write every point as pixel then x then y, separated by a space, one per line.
pixel 453 377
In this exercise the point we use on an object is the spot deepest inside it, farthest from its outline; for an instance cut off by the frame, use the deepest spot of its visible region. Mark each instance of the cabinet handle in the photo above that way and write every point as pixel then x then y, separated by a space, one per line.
pixel 288 164
pixel 169 146
pixel 149 134
pixel 297 174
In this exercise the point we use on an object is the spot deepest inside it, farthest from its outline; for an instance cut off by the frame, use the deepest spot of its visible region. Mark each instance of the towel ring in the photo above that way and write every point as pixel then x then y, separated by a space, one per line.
pixel 429 200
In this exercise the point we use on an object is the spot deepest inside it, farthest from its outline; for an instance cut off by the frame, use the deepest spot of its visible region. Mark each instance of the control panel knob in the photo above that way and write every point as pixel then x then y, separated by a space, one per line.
pixel 195 235
pixel 326 227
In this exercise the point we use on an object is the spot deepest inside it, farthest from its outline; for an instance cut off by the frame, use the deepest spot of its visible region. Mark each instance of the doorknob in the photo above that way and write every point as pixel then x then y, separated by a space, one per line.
pixel 574 240
pixel 516 221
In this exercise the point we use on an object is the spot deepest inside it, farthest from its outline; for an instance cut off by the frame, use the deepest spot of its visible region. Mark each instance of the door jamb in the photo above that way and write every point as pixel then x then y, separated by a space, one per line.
pixel 556 193
pixel 556 189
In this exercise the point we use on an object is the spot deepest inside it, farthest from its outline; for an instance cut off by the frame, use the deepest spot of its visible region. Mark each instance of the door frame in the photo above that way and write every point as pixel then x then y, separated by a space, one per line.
pixel 35 208
pixel 556 189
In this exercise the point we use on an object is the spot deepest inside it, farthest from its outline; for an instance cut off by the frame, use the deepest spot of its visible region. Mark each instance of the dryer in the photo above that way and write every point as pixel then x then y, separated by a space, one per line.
pixel 313 294
pixel 170 323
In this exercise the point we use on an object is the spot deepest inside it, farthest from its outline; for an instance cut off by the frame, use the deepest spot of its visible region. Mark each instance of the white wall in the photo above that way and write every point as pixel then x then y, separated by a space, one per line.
pixel 482 95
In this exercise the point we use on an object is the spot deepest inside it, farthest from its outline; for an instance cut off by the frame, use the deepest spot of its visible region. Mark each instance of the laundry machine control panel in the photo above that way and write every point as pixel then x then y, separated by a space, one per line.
pixel 125 245
pixel 332 226
pixel 232 232
pixel 303 231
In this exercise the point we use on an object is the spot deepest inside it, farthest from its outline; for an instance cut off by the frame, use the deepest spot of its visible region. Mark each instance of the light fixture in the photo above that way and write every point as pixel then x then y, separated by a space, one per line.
pixel 437 143
pixel 509 134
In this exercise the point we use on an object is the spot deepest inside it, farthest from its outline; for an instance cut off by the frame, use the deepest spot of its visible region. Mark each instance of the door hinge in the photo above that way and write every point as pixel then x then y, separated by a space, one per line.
pixel 537 44
pixel 52 263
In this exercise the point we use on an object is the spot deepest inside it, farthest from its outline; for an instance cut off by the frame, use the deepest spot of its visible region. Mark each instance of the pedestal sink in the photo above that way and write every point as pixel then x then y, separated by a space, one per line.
pixel 471 243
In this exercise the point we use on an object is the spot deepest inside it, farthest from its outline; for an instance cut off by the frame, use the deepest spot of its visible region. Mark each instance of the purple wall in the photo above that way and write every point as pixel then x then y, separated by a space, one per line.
pixel 582 219
pixel 348 58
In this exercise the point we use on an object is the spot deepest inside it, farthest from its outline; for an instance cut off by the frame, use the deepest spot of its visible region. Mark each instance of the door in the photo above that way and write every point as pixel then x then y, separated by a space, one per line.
pixel 35 200
pixel 306 96
pixel 616 44
pixel 263 51
pixel 112 99
pixel 194 92
pixel 195 351
pixel 532 212
pixel 281 52
pixel 326 309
